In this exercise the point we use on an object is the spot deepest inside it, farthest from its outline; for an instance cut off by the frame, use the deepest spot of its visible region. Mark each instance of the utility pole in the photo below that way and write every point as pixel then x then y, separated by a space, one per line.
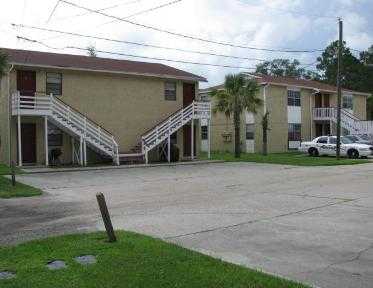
pixel 339 87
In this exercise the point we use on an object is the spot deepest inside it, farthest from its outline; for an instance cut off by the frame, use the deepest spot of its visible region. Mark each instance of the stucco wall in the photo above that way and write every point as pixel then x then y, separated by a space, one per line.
pixel 278 122
pixel 127 106
pixel 307 104
pixel 4 120
pixel 360 106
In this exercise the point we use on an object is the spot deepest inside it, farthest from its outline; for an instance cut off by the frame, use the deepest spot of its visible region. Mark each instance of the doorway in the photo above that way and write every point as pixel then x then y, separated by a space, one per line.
pixel 187 141
pixel 28 135
pixel 26 82
pixel 189 94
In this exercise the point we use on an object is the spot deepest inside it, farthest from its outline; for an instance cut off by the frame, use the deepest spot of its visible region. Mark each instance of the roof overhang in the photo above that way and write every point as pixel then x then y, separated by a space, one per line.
pixel 163 76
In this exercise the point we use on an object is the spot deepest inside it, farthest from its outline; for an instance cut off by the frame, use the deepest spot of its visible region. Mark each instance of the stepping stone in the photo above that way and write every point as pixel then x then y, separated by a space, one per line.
pixel 6 275
pixel 56 265
pixel 86 259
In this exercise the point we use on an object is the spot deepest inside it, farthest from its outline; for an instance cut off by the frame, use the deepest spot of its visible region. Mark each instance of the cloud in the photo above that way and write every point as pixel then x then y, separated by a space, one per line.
pixel 277 23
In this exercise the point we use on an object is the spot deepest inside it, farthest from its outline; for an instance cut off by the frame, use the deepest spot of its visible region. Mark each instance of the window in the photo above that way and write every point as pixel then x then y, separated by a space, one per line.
pixel 54 83
pixel 204 97
pixel 293 98
pixel 170 91
pixel 348 102
pixel 204 133
pixel 250 131
pixel 294 132
pixel 323 140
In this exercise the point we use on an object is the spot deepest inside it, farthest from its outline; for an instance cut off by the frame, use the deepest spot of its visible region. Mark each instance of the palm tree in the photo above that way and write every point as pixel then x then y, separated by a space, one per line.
pixel 239 94
pixel 3 63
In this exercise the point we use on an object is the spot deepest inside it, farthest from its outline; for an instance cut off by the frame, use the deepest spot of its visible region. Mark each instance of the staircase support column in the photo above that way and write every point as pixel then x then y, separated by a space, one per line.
pixel 209 138
pixel 81 151
pixel 192 139
pixel 72 150
pixel 19 141
pixel 46 141
pixel 169 148
pixel 85 152
pixel 146 157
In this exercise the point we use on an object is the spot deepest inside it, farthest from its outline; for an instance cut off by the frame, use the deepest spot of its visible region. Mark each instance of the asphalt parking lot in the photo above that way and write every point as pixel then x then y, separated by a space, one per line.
pixel 312 224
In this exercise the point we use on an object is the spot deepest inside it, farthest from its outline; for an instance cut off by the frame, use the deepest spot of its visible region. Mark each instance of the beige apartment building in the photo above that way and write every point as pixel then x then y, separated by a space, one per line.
pixel 70 109
pixel 299 110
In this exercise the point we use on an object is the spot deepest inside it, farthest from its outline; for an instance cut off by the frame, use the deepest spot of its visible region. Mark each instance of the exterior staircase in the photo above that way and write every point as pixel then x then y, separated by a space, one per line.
pixel 159 133
pixel 69 120
pixel 348 121
pixel 96 137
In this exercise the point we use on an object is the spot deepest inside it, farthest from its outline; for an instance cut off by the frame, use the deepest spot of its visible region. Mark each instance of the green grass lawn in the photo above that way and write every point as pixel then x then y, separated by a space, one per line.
pixel 5 170
pixel 133 261
pixel 290 158
pixel 20 190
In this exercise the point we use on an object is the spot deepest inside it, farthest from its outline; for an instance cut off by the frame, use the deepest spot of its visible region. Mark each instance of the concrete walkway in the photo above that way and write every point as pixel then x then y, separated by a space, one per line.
pixel 311 224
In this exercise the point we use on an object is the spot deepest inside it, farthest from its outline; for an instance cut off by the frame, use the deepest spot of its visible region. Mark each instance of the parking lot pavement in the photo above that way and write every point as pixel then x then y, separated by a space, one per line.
pixel 312 224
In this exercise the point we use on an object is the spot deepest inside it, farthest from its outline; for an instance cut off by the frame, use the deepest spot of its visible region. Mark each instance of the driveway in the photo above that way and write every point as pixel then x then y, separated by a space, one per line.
pixel 309 224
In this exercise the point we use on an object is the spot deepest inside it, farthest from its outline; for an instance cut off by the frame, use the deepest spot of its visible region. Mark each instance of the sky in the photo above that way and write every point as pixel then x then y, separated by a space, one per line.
pixel 276 24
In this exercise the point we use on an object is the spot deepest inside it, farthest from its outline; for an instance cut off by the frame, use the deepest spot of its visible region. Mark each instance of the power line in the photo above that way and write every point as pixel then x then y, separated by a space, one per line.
pixel 188 36
pixel 140 44
pixel 101 9
pixel 164 59
pixel 53 10
pixel 137 43
pixel 144 11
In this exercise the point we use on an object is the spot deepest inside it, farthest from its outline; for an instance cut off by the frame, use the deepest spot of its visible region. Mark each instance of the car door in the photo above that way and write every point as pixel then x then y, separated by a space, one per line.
pixel 321 145
pixel 331 147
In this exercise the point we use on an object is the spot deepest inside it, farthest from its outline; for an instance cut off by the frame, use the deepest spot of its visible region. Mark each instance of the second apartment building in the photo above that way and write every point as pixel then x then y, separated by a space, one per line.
pixel 299 110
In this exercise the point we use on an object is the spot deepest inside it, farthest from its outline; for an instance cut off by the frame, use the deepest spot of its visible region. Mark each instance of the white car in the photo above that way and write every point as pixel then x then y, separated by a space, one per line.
pixel 327 145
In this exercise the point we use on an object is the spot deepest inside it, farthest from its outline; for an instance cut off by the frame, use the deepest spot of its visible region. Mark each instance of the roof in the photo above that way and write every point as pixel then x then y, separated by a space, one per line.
pixel 294 82
pixel 97 64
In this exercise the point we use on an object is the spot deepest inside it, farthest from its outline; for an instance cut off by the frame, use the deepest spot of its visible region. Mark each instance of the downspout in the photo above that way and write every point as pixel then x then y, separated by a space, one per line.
pixel 10 116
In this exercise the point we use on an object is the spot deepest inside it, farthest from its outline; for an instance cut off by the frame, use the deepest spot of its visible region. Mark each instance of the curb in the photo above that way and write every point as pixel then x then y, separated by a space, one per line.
pixel 103 168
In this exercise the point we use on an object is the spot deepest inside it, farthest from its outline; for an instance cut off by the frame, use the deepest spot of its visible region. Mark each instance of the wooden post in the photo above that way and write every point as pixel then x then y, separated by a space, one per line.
pixel 106 217
pixel 13 171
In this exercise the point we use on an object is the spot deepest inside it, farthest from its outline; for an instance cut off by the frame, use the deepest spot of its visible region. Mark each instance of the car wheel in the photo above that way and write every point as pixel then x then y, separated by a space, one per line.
pixel 353 154
pixel 313 152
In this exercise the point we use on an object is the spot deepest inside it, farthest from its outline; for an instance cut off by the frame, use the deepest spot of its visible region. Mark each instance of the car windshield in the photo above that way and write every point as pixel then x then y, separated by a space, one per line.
pixel 364 137
pixel 344 140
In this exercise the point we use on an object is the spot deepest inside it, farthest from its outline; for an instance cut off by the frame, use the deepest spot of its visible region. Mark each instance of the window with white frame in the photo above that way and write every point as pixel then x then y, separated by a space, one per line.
pixel 348 101
pixel 250 131
pixel 295 132
pixel 204 133
pixel 170 91
pixel 293 98
pixel 54 84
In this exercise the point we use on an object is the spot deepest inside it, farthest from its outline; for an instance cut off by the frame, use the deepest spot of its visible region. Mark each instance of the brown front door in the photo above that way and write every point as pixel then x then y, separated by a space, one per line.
pixel 26 82
pixel 326 100
pixel 319 130
pixel 318 100
pixel 189 94
pixel 187 140
pixel 28 135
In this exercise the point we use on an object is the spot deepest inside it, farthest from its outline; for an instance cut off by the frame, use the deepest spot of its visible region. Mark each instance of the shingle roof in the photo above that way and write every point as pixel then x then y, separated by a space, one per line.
pixel 78 62
pixel 290 81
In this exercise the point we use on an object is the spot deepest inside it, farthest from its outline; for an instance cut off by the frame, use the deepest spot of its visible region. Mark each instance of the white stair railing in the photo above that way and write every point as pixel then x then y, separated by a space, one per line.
pixel 68 118
pixel 196 110
pixel 348 121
